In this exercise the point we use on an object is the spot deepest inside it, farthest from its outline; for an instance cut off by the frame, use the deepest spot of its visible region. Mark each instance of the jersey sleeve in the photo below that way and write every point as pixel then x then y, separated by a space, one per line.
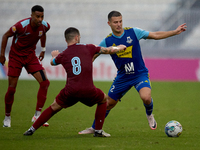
pixel 103 43
pixel 16 28
pixel 140 33
pixel 94 48
pixel 46 25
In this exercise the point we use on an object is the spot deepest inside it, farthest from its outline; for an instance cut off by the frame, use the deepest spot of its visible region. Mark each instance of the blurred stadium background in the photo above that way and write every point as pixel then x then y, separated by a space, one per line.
pixel 90 17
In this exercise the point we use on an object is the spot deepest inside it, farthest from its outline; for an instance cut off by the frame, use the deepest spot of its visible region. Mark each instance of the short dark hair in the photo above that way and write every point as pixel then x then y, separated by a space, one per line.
pixel 114 13
pixel 70 33
pixel 37 8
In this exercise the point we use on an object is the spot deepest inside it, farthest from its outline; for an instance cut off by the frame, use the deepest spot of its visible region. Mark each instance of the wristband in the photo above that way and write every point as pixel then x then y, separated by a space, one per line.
pixel 43 49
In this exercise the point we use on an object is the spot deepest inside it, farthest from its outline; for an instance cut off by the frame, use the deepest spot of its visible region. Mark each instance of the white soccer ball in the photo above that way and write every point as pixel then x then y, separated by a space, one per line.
pixel 173 129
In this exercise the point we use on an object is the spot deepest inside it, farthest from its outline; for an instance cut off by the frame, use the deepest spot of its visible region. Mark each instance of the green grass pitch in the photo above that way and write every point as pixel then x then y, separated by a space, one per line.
pixel 126 123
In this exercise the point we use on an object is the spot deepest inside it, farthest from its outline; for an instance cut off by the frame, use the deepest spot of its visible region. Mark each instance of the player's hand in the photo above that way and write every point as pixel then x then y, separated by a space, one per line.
pixel 181 28
pixel 41 57
pixel 2 59
pixel 55 53
pixel 121 47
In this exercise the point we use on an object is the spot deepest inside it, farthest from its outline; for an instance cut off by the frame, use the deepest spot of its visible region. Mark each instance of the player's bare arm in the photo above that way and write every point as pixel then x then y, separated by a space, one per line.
pixel 43 48
pixel 3 46
pixel 95 56
pixel 111 49
pixel 165 34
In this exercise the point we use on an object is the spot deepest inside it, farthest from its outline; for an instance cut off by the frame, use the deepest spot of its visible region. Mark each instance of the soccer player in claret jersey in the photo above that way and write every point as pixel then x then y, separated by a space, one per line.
pixel 26 33
pixel 131 67
pixel 77 61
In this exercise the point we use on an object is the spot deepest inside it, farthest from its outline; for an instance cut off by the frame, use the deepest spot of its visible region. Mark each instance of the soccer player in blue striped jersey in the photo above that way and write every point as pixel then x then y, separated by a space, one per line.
pixel 130 64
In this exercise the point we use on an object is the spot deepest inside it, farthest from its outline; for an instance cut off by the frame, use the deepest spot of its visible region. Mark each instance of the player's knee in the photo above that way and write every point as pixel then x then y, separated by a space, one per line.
pixel 104 99
pixel 146 99
pixel 45 84
pixel 111 103
pixel 11 90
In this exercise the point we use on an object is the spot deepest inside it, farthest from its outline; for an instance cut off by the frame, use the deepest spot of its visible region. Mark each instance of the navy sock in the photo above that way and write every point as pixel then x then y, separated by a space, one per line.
pixel 149 108
pixel 107 112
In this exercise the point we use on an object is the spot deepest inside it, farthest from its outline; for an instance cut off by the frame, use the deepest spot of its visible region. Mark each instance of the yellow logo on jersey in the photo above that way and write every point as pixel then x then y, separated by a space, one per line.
pixel 40 33
pixel 125 53
pixel 13 29
pixel 146 81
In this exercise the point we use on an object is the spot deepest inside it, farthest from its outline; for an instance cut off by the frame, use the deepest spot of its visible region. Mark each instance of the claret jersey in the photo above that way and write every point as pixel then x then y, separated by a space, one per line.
pixel 77 62
pixel 129 62
pixel 25 37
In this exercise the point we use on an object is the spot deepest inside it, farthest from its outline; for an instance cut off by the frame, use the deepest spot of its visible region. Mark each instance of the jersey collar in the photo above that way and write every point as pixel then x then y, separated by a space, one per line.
pixel 118 36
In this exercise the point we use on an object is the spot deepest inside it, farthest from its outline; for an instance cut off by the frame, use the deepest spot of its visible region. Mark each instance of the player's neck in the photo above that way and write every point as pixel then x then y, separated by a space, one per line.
pixel 118 33
pixel 74 41
pixel 33 25
pixel 71 43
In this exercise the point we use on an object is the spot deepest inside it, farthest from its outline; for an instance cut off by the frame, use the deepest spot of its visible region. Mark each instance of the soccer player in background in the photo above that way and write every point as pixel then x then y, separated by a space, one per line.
pixel 131 67
pixel 26 33
pixel 77 61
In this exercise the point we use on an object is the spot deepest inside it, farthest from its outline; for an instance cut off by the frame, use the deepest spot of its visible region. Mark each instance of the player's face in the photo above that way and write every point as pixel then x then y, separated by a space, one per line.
pixel 37 18
pixel 116 25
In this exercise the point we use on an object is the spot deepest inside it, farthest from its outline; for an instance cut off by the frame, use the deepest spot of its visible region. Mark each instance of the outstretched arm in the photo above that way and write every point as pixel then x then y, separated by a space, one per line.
pixel 165 34
pixel 3 46
pixel 112 49
pixel 109 50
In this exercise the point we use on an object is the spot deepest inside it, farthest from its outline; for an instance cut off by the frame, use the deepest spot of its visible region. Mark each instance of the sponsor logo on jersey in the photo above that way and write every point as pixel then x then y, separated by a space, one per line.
pixel 125 53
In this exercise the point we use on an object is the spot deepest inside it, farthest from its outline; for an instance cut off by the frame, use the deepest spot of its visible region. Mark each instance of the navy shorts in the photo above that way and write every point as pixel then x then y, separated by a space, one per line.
pixel 121 86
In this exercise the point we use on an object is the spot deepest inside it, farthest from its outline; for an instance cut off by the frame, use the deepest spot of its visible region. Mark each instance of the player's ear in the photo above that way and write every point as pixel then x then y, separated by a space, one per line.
pixel 32 14
pixel 77 38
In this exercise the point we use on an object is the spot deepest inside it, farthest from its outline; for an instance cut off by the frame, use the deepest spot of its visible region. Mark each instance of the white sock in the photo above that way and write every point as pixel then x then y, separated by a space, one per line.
pixel 7 117
pixel 37 113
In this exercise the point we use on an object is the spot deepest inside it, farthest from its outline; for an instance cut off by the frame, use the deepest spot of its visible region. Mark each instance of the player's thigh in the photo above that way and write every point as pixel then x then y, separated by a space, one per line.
pixel 40 75
pixel 15 65
pixel 33 65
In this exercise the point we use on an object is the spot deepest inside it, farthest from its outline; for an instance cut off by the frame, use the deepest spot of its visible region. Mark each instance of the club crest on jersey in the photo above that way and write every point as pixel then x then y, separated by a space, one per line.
pixel 40 33
pixel 129 40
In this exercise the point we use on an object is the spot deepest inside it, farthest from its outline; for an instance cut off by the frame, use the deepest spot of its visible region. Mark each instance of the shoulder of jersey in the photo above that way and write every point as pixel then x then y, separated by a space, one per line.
pixel 81 44
pixel 109 35
pixel 127 28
